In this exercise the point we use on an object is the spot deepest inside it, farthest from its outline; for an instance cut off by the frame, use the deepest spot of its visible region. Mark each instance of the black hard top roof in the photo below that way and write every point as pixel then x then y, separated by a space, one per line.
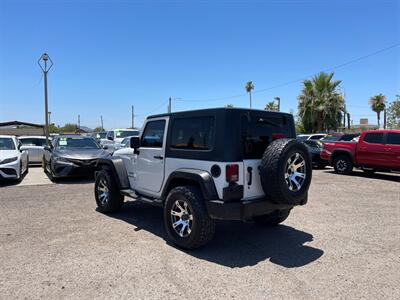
pixel 210 110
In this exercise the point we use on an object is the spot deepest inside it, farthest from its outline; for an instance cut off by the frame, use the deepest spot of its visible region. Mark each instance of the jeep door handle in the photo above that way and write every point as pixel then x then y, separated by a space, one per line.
pixel 158 156
pixel 250 171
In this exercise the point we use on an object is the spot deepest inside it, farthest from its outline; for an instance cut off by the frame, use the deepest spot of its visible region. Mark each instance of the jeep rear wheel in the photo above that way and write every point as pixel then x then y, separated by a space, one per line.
pixel 186 219
pixel 286 171
pixel 107 195
pixel 342 164
pixel 273 218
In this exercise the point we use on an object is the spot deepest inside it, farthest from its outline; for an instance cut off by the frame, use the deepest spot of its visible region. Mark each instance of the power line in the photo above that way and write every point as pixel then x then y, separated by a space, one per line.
pixel 303 78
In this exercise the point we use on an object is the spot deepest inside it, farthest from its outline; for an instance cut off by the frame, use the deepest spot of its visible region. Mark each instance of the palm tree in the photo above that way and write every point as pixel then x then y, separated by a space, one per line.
pixel 320 103
pixel 378 104
pixel 271 106
pixel 249 87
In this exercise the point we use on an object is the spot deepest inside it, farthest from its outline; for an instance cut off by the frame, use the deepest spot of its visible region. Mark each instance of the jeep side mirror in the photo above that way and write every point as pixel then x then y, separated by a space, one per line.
pixel 110 138
pixel 47 148
pixel 135 142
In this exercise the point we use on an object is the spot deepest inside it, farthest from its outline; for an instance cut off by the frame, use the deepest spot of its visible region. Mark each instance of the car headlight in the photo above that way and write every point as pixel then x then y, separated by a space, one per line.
pixel 8 160
pixel 62 159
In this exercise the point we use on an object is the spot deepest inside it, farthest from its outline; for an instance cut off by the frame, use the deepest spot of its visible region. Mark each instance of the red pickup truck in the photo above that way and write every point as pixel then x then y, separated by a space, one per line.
pixel 376 150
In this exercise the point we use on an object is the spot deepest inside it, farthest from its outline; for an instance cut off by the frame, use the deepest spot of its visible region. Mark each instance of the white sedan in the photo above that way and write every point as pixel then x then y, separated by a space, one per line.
pixel 13 160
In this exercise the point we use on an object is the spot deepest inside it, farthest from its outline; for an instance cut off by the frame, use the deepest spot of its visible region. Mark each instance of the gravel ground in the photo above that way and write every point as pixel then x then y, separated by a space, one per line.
pixel 345 243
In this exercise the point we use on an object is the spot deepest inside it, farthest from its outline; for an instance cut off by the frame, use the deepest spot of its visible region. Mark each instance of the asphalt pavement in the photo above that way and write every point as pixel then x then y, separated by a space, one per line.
pixel 344 244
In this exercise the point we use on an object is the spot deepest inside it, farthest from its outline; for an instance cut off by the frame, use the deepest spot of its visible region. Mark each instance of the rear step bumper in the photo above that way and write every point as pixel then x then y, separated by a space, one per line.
pixel 242 210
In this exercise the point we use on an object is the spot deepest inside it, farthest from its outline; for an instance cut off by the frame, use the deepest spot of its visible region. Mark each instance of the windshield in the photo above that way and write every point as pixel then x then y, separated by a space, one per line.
pixel 64 143
pixel 330 138
pixel 126 133
pixel 100 135
pixel 302 137
pixel 7 144
pixel 312 143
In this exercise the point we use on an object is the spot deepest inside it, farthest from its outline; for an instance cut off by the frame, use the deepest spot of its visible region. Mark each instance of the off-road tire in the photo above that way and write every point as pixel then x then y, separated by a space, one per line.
pixel 273 170
pixel 115 199
pixel 202 226
pixel 273 218
pixel 342 164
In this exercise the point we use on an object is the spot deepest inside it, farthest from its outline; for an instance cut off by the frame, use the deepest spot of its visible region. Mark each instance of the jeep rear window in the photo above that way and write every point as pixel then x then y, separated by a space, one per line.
pixel 193 133
pixel 257 131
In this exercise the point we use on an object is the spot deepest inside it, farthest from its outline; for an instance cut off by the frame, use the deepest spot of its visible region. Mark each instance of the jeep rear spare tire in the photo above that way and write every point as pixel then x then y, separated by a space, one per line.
pixel 286 171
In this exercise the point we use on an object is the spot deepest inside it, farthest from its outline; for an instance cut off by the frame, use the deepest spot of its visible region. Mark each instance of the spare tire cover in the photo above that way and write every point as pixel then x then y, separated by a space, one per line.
pixel 286 172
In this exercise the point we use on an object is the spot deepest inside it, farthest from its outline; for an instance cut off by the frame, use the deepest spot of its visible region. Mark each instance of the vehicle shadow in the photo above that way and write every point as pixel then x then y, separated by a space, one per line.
pixel 83 179
pixel 12 182
pixel 382 176
pixel 236 244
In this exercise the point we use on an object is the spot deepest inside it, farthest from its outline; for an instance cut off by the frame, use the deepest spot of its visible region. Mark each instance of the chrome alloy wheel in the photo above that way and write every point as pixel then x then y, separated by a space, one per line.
pixel 182 218
pixel 102 191
pixel 295 173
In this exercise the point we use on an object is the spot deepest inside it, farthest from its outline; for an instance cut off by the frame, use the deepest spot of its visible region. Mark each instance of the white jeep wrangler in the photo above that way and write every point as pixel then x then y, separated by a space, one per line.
pixel 203 165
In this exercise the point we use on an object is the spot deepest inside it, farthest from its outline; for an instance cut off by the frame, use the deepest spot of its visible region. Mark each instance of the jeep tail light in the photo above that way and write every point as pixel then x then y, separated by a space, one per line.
pixel 232 173
pixel 277 136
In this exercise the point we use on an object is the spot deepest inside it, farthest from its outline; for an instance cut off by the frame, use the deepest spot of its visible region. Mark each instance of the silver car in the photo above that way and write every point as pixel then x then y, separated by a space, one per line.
pixel 34 145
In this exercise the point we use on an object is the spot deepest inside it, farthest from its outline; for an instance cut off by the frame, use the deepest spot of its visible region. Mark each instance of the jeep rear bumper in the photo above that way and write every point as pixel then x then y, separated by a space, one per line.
pixel 242 210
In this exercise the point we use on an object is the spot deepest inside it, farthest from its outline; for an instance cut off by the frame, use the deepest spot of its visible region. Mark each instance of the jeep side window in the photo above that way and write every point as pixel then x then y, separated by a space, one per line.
pixel 374 138
pixel 193 133
pixel 153 135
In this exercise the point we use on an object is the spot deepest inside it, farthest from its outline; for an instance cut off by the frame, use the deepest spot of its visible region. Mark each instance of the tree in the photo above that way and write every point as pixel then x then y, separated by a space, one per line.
pixel 249 87
pixel 321 105
pixel 272 105
pixel 393 113
pixel 69 128
pixel 98 129
pixel 229 106
pixel 378 104
pixel 53 128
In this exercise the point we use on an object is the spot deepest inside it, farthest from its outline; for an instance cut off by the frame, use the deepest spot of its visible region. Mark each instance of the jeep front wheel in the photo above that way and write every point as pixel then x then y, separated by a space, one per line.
pixel 107 195
pixel 186 219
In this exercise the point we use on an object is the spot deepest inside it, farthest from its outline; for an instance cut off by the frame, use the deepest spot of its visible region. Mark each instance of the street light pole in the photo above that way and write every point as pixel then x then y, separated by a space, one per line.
pixel 169 105
pixel 279 103
pixel 45 63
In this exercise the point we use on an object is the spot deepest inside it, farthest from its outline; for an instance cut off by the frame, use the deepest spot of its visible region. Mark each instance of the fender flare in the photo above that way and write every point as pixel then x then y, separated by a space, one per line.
pixel 339 151
pixel 201 177
pixel 117 168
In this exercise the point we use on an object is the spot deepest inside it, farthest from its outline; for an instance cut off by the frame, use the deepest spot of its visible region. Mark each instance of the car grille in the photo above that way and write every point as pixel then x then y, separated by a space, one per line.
pixel 83 162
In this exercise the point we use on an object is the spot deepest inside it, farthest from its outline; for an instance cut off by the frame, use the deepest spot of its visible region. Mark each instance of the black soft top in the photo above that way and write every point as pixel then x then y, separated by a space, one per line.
pixel 234 129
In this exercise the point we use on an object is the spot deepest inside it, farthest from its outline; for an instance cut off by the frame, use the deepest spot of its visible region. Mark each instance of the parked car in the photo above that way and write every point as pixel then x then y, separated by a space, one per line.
pixel 114 138
pixel 34 145
pixel 375 150
pixel 99 136
pixel 13 160
pixel 72 155
pixel 313 136
pixel 204 165
pixel 339 137
pixel 126 150
pixel 315 148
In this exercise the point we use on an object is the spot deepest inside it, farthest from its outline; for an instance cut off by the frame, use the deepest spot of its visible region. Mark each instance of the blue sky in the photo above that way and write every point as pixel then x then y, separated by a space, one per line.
pixel 109 55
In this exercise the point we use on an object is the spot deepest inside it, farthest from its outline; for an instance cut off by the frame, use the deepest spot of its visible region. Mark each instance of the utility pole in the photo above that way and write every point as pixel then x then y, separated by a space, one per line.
pixel 348 120
pixel 169 105
pixel 49 117
pixel 45 63
pixel 278 99
pixel 79 121
pixel 133 117
pixel 102 127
